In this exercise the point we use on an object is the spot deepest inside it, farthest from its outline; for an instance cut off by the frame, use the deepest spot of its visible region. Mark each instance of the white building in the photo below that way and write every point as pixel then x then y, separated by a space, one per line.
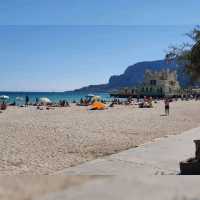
pixel 160 83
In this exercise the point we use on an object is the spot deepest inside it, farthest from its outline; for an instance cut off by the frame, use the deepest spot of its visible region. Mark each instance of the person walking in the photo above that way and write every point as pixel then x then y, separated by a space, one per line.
pixel 166 106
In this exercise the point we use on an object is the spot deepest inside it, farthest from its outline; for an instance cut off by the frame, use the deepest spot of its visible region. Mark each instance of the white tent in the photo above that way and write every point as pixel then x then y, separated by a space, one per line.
pixel 4 97
pixel 45 100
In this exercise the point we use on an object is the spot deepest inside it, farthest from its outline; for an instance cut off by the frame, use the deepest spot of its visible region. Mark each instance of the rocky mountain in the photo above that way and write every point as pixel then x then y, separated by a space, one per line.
pixel 134 75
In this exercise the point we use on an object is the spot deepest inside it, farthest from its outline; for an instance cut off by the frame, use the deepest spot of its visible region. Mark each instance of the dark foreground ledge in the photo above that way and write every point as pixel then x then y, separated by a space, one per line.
pixel 192 165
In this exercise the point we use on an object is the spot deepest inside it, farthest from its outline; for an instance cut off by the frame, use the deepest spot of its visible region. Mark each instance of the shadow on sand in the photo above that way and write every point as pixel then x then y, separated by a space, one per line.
pixel 163 115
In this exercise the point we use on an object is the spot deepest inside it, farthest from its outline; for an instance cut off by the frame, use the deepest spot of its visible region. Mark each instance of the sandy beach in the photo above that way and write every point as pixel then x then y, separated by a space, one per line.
pixel 38 142
pixel 46 141
pixel 32 187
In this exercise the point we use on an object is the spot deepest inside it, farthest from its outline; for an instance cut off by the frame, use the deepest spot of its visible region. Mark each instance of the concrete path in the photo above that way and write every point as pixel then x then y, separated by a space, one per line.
pixel 138 173
pixel 159 157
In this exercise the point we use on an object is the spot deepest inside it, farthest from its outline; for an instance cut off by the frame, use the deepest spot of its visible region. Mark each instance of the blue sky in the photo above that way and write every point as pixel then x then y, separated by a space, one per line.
pixel 99 12
pixel 49 45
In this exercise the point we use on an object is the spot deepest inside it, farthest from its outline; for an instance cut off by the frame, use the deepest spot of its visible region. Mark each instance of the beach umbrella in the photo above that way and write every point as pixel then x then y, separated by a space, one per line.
pixel 45 100
pixel 96 98
pixel 4 97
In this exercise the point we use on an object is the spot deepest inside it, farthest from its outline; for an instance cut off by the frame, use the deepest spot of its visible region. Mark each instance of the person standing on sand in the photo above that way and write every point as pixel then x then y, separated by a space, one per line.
pixel 166 106
pixel 36 100
pixel 26 100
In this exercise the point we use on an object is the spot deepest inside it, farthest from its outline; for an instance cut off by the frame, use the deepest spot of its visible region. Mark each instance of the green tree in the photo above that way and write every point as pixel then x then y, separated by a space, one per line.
pixel 189 54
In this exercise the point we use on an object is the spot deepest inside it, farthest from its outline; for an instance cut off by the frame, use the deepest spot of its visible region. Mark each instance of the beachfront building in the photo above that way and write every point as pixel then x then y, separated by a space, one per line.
pixel 156 84
pixel 160 83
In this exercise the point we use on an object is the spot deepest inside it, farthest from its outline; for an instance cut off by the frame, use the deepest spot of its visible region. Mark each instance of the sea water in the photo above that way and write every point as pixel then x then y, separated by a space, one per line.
pixel 53 96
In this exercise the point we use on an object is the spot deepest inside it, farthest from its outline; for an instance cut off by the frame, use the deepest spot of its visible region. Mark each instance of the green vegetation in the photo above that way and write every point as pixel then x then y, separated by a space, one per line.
pixel 189 54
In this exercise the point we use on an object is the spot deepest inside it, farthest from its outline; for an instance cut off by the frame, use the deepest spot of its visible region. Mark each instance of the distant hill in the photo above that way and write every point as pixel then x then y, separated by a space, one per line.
pixel 134 75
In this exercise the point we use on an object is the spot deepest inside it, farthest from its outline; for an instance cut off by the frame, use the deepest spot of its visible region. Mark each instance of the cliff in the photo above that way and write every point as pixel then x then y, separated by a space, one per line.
pixel 134 75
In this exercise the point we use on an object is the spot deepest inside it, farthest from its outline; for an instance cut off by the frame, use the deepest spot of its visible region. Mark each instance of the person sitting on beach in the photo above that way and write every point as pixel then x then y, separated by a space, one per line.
pixel 112 104
pixel 81 101
pixel 67 103
pixel 150 104
pixel 62 103
pixel 129 100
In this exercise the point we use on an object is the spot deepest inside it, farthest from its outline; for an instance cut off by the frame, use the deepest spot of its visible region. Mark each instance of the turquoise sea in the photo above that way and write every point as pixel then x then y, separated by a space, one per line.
pixel 53 96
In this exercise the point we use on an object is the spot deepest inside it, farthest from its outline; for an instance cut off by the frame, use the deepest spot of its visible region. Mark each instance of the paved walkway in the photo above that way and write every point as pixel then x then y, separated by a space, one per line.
pixel 138 173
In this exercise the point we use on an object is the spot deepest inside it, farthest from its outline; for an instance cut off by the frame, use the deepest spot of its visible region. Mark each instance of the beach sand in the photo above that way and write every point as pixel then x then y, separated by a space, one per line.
pixel 33 187
pixel 45 141
pixel 37 142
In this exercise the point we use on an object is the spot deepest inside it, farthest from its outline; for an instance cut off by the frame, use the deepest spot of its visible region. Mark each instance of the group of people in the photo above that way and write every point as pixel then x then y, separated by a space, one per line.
pixel 190 97
pixel 64 103
pixel 145 102
pixel 83 102
pixel 87 102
